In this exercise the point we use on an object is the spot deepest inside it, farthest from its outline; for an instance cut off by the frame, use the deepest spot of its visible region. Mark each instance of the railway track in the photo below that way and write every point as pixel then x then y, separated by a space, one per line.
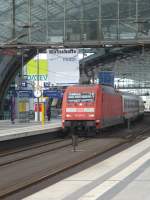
pixel 35 150
pixel 17 155
pixel 46 172
pixel 134 133
pixel 21 149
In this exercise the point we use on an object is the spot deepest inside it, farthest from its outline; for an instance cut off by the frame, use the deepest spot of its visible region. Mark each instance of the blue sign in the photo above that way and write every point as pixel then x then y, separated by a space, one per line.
pixel 13 92
pixel 25 93
pixel 23 84
pixel 46 84
pixel 106 78
pixel 52 94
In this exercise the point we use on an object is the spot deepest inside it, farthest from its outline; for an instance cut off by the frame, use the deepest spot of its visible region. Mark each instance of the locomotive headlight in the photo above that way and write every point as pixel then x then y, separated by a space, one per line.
pixel 67 115
pixel 91 115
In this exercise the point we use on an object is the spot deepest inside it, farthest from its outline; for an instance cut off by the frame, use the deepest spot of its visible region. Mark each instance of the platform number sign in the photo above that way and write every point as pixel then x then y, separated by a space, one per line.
pixel 23 84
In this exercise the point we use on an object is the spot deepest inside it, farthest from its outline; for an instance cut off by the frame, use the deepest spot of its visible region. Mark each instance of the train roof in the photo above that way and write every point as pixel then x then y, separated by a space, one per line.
pixel 90 85
pixel 105 88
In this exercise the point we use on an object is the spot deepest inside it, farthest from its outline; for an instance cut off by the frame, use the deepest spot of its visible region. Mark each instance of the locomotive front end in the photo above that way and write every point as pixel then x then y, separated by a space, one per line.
pixel 79 114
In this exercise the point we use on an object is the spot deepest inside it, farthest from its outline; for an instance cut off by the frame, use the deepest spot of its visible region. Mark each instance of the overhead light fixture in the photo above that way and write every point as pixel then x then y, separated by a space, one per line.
pixel 108 45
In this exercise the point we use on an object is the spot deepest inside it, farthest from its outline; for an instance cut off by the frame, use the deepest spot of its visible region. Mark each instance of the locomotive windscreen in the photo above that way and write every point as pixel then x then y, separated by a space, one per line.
pixel 81 97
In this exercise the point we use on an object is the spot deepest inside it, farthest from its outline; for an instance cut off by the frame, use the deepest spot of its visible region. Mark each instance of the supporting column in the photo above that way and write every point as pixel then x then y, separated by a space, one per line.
pixel 38 103
pixel 13 19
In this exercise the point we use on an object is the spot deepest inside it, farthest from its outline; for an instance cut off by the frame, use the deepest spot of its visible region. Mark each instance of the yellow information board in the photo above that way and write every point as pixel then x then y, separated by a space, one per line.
pixel 32 67
pixel 22 106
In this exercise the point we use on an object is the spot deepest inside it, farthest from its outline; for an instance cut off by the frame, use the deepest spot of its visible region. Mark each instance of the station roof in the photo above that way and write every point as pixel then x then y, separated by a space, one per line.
pixel 31 24
pixel 74 22
pixel 130 66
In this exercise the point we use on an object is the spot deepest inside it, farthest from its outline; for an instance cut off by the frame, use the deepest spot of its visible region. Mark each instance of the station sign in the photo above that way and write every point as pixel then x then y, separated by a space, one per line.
pixel 46 84
pixel 35 74
pixel 106 78
pixel 37 77
pixel 12 92
pixel 23 84
pixel 52 94
pixel 24 93
pixel 63 65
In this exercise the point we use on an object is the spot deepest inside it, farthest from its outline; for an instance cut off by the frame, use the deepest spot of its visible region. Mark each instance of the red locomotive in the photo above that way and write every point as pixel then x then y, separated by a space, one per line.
pixel 92 107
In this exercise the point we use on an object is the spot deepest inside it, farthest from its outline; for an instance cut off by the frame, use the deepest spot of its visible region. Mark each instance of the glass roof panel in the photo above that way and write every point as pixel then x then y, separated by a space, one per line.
pixel 80 22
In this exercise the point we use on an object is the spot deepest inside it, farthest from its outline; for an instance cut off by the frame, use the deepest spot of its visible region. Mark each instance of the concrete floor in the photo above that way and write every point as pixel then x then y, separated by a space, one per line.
pixel 124 176
pixel 10 131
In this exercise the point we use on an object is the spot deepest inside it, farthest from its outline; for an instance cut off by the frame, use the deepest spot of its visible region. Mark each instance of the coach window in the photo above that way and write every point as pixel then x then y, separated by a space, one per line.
pixel 127 103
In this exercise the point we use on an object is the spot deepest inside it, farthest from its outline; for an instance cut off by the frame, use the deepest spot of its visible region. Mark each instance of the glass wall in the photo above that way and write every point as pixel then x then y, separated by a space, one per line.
pixel 74 21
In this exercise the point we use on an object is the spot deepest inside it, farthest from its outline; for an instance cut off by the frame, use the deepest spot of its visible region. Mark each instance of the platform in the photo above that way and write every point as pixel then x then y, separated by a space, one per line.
pixel 124 176
pixel 9 131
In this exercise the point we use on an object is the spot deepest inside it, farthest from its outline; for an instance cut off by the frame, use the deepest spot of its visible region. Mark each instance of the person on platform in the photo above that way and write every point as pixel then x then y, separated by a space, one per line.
pixel 48 111
pixel 12 109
